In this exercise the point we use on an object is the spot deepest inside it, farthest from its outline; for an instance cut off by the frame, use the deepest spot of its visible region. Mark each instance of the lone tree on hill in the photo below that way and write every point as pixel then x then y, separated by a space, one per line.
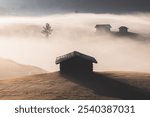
pixel 47 30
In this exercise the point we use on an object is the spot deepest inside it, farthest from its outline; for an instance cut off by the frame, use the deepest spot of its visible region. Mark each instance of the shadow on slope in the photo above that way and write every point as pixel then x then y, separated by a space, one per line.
pixel 105 85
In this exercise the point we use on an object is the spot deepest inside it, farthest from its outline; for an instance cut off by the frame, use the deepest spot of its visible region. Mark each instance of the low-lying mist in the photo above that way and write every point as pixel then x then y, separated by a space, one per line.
pixel 21 40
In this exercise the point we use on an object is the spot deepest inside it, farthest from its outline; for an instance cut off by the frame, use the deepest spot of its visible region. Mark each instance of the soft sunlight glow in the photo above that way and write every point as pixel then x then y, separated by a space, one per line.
pixel 21 40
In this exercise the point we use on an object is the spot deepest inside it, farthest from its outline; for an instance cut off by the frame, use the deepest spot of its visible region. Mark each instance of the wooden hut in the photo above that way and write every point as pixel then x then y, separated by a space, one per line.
pixel 103 28
pixel 123 29
pixel 76 62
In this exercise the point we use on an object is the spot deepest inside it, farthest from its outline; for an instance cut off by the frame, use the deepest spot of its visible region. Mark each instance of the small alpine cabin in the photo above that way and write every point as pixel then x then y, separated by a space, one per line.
pixel 76 62
pixel 100 28
pixel 123 29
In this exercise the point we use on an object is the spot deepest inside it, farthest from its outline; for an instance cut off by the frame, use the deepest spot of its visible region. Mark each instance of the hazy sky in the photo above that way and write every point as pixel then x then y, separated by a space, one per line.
pixel 21 39
pixel 34 7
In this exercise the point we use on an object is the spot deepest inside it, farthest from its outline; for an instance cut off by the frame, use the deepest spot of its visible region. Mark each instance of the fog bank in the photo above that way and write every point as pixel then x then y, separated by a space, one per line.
pixel 22 41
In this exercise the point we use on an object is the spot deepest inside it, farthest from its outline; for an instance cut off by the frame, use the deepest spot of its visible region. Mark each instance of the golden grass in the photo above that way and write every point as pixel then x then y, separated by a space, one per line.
pixel 107 85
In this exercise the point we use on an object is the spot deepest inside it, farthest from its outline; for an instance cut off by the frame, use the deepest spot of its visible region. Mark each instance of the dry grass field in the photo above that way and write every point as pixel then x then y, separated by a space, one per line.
pixel 104 85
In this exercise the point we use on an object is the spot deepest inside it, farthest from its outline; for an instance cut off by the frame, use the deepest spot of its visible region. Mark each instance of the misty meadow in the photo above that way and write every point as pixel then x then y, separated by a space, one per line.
pixel 67 49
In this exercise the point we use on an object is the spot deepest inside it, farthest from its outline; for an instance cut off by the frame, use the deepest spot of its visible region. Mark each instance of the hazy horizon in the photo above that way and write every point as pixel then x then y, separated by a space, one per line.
pixel 21 40
pixel 47 7
pixel 73 23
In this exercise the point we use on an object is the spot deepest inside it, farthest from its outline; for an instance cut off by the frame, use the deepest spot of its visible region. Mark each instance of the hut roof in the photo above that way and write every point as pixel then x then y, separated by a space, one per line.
pixel 123 27
pixel 103 26
pixel 74 54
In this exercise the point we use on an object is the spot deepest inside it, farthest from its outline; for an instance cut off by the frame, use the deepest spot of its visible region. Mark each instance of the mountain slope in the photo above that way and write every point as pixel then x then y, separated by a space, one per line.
pixel 9 68
pixel 109 85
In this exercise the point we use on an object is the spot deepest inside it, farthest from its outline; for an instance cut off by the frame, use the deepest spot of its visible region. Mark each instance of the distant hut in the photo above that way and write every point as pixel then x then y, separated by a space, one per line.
pixel 123 29
pixel 76 62
pixel 103 28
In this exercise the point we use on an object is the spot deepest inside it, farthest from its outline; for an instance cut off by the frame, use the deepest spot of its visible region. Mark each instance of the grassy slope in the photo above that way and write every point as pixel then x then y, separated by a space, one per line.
pixel 9 69
pixel 112 85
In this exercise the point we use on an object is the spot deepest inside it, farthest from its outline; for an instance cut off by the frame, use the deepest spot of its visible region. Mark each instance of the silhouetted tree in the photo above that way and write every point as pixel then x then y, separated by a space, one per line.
pixel 47 30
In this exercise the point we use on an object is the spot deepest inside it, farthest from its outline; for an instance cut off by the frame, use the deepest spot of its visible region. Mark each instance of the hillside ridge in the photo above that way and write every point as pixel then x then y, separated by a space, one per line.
pixel 99 85
pixel 10 69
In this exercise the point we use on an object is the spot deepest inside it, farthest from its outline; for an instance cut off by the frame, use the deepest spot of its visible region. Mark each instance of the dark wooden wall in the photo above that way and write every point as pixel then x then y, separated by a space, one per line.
pixel 76 65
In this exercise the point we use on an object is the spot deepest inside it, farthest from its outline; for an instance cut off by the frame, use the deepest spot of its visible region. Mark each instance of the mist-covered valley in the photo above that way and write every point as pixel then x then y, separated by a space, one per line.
pixel 21 40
